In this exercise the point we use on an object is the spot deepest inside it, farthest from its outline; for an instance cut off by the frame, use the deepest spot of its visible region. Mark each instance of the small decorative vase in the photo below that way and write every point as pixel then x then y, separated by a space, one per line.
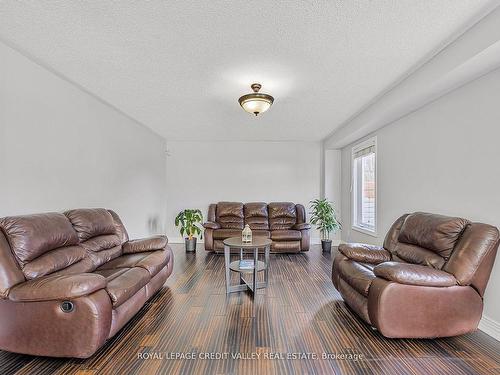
pixel 246 234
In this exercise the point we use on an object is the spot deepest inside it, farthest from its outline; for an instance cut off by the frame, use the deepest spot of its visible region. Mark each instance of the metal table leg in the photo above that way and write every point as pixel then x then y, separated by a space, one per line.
pixel 266 271
pixel 227 258
pixel 256 260
pixel 241 275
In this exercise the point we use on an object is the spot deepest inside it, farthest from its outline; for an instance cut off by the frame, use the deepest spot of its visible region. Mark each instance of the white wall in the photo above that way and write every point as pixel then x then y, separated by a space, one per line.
pixel 443 158
pixel 200 173
pixel 332 185
pixel 62 148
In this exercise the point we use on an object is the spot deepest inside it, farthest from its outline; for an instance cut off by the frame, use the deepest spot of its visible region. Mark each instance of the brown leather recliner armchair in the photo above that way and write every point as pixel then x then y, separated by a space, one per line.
pixel 427 280
pixel 283 222
pixel 70 281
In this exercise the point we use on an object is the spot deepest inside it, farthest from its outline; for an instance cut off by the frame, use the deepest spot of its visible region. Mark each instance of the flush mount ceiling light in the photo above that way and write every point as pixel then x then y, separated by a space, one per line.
pixel 256 102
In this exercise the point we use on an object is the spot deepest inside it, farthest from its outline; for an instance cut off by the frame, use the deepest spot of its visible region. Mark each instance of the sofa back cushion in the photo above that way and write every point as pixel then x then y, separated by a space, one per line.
pixel 53 261
pixel 10 271
pixel 42 243
pixel 120 228
pixel 391 238
pixel 474 256
pixel 98 233
pixel 33 235
pixel 230 215
pixel 436 233
pixel 417 255
pixel 282 215
pixel 256 215
pixel 91 222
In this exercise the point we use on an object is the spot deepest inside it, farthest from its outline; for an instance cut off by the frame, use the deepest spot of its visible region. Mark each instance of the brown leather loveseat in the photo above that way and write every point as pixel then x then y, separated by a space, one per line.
pixel 427 280
pixel 283 222
pixel 70 281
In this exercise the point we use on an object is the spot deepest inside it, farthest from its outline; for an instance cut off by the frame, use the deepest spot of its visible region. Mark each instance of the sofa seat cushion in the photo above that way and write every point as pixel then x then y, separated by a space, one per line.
pixel 104 256
pixel 57 287
pixel 124 286
pixel 222 234
pixel 356 275
pixel 261 233
pixel 285 246
pixel 123 261
pixel 155 261
pixel 286 235
pixel 111 273
pixel 237 233
pixel 152 261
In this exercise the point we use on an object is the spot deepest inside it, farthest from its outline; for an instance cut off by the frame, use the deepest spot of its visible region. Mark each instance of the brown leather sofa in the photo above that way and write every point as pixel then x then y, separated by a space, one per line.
pixel 283 222
pixel 70 281
pixel 426 281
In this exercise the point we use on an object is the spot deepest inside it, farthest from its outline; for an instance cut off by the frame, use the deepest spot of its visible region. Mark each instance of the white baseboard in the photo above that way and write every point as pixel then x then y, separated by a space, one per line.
pixel 314 241
pixel 490 327
pixel 317 241
pixel 175 240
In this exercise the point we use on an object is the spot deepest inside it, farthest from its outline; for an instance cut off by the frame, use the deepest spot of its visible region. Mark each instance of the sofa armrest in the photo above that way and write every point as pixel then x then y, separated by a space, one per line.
pixel 302 226
pixel 414 274
pixel 57 287
pixel 365 253
pixel 145 244
pixel 211 225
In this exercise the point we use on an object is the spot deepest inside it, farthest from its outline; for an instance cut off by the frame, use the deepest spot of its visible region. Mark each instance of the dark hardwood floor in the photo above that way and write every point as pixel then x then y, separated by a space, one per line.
pixel 300 312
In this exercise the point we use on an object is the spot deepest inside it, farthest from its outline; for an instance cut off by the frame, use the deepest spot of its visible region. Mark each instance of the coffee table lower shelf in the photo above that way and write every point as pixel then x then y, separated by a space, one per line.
pixel 235 266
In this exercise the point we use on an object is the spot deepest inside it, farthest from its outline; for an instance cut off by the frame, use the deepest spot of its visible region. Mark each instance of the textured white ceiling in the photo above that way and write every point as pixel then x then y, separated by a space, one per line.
pixel 180 66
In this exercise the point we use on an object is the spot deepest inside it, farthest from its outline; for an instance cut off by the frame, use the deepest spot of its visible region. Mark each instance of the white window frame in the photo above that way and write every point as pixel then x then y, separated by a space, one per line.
pixel 354 197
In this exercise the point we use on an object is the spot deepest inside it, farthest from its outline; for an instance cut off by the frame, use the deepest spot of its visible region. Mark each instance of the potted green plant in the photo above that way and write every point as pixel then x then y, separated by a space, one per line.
pixel 324 218
pixel 189 222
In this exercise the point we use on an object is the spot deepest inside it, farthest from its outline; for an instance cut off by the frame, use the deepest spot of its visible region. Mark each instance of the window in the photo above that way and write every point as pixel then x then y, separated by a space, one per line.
pixel 364 187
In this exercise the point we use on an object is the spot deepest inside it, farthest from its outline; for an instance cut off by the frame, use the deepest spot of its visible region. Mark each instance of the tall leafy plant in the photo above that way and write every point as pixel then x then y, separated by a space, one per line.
pixel 189 222
pixel 324 218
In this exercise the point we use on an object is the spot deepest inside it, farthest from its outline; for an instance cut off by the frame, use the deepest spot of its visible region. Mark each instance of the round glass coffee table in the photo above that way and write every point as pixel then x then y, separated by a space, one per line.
pixel 258 265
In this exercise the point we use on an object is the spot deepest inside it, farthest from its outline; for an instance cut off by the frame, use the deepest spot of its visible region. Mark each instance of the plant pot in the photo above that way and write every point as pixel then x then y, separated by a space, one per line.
pixel 326 245
pixel 190 244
